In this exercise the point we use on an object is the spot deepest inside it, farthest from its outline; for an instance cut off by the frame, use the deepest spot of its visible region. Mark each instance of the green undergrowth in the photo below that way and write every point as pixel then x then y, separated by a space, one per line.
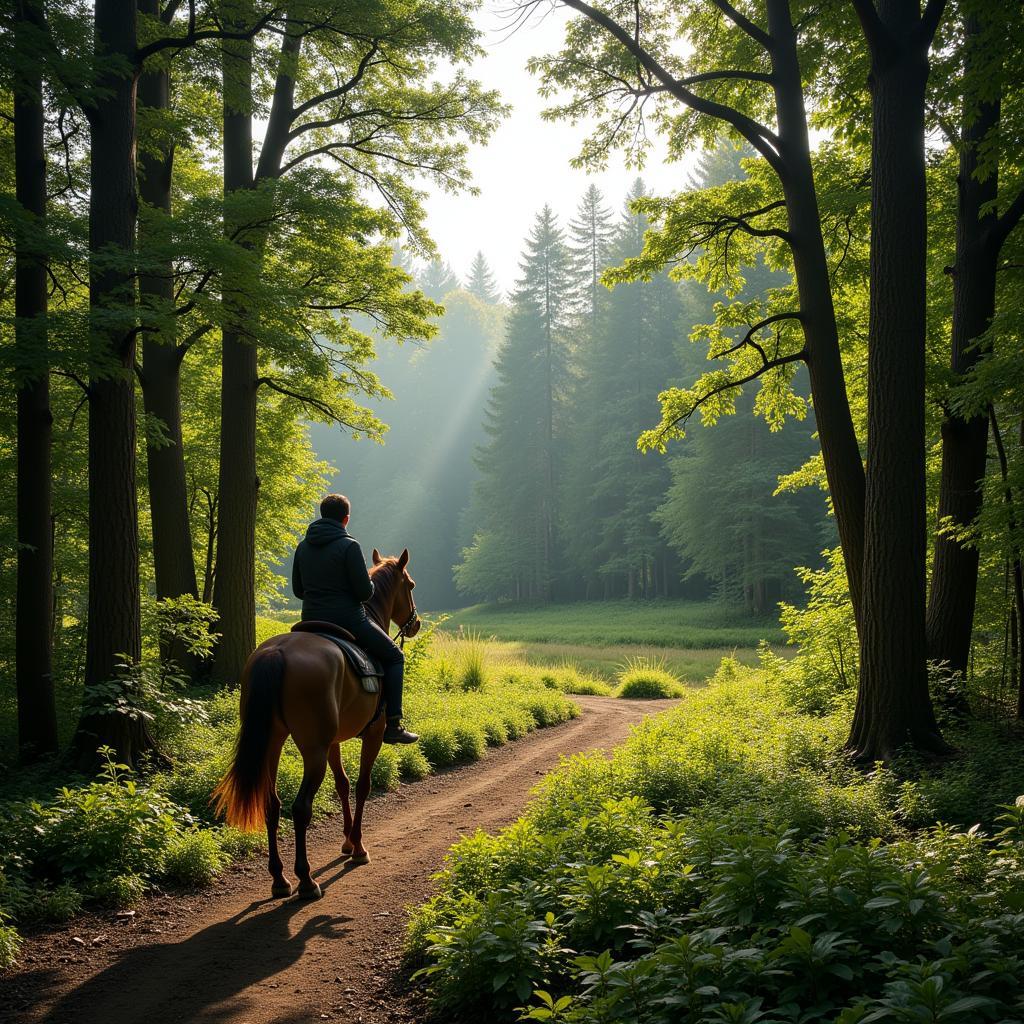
pixel 728 864
pixel 106 842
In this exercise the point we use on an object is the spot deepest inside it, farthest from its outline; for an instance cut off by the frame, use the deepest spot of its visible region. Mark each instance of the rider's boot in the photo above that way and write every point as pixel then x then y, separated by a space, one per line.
pixel 394 733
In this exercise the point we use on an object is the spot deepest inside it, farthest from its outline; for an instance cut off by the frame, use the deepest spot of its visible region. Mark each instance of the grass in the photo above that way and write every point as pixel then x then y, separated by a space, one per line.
pixel 647 678
pixel 685 625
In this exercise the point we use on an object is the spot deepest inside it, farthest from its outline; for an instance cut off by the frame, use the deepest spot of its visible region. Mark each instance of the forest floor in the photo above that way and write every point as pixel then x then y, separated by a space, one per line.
pixel 233 955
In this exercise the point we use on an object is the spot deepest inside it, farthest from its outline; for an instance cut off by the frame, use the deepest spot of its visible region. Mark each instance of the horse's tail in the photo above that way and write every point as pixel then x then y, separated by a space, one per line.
pixel 242 794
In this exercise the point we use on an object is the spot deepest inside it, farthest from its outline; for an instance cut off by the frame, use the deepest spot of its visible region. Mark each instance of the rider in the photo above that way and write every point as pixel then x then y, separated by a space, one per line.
pixel 329 576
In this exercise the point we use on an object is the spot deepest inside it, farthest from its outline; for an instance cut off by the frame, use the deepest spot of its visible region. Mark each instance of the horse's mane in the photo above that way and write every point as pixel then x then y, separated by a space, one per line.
pixel 384 575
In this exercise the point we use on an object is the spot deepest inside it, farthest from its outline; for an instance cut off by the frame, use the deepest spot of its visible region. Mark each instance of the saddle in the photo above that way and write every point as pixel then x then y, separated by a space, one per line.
pixel 367 668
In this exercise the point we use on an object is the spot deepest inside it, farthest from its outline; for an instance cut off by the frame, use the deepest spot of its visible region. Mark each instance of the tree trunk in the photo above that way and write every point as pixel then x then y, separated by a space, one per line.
pixel 37 712
pixel 844 469
pixel 965 441
pixel 173 561
pixel 893 703
pixel 114 616
pixel 234 593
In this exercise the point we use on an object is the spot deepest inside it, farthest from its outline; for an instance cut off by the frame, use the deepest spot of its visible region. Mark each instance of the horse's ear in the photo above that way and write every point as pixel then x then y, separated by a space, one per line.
pixel 403 558
pixel 376 557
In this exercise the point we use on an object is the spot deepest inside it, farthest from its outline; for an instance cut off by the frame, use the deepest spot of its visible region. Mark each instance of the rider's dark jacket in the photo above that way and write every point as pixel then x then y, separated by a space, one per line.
pixel 329 575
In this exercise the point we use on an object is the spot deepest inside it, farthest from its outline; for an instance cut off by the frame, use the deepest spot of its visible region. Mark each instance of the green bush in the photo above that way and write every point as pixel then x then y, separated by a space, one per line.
pixel 195 859
pixel 644 678
pixel 10 943
pixel 119 891
pixel 439 743
pixel 472 741
pixel 412 763
pixel 113 827
pixel 729 864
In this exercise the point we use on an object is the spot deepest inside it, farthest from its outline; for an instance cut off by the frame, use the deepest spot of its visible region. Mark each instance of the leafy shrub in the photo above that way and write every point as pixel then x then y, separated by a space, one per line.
pixel 412 763
pixel 646 678
pixel 112 827
pixel 472 741
pixel 439 743
pixel 385 773
pixel 118 891
pixel 10 943
pixel 823 673
pixel 195 859
pixel 723 865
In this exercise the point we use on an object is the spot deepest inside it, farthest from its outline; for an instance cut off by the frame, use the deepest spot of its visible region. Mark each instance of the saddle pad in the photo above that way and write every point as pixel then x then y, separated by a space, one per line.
pixel 368 670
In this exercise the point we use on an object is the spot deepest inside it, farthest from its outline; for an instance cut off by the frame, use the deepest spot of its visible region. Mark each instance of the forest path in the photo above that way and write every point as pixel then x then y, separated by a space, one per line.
pixel 232 955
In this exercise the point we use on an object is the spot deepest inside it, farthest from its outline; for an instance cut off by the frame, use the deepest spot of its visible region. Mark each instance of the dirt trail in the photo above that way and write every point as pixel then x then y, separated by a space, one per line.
pixel 234 956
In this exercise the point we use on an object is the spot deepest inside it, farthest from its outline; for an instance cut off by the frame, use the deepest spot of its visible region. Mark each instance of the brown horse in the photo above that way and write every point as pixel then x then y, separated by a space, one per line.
pixel 301 685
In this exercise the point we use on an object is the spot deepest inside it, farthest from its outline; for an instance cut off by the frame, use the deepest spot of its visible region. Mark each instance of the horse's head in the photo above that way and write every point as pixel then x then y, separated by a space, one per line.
pixel 403 606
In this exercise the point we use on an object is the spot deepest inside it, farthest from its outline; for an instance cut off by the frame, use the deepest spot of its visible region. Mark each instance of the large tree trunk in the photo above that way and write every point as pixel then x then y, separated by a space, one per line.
pixel 844 469
pixel 173 561
pixel 37 714
pixel 965 440
pixel 893 703
pixel 113 609
pixel 234 593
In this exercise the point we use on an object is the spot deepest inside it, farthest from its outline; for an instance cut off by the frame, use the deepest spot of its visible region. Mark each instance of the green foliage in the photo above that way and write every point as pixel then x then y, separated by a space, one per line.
pixel 729 864
pixel 645 677
pixel 10 943
pixel 823 673
pixel 195 858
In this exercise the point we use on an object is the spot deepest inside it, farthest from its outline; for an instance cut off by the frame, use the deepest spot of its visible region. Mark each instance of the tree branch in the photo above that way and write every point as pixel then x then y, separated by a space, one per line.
pixel 1009 219
pixel 764 140
pixel 742 22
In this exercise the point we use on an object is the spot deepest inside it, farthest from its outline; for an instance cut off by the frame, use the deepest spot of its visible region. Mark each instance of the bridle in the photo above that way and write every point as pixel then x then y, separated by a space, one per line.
pixel 413 620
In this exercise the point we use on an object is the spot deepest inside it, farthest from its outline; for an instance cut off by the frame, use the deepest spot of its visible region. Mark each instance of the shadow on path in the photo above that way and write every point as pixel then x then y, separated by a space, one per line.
pixel 205 977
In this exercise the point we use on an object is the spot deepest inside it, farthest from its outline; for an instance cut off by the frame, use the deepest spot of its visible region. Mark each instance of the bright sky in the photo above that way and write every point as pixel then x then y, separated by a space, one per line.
pixel 526 163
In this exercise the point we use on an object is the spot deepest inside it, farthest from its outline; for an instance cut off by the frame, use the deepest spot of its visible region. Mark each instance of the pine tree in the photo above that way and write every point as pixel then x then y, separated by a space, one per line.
pixel 592 231
pixel 481 282
pixel 516 552
pixel 438 279
pixel 626 359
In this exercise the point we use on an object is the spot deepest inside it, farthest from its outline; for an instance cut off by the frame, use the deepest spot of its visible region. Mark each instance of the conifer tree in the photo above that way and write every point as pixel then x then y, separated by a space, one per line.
pixel 625 357
pixel 438 279
pixel 516 552
pixel 481 282
pixel 591 232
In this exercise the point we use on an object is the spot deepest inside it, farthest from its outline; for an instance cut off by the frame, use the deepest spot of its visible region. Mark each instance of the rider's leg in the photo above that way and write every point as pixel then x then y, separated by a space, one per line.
pixel 378 644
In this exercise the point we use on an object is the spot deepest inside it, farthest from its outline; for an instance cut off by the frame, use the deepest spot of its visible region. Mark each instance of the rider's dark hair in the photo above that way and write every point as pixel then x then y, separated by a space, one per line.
pixel 335 506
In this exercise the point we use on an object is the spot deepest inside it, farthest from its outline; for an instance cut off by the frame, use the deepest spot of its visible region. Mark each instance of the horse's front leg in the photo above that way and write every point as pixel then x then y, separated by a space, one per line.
pixel 314 765
pixel 343 787
pixel 367 756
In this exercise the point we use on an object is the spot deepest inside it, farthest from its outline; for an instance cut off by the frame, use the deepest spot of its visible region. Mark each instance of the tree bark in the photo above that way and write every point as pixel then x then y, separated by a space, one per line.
pixel 37 713
pixel 234 593
pixel 965 440
pixel 113 606
pixel 840 451
pixel 893 704
pixel 173 558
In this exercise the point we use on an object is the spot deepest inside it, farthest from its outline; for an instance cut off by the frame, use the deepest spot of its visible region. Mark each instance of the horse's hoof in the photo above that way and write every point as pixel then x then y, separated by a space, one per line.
pixel 280 890
pixel 360 858
pixel 345 854
pixel 309 891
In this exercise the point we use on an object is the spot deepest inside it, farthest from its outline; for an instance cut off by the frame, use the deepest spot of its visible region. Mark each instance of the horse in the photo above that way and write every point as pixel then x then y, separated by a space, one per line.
pixel 301 685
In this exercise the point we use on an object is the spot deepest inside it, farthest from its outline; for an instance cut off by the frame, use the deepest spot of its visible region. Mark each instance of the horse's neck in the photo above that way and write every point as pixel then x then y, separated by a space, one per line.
pixel 380 606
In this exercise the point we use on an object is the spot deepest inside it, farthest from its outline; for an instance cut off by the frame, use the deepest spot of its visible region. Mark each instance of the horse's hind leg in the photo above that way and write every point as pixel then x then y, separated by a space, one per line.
pixel 368 754
pixel 314 764
pixel 343 787
pixel 281 886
